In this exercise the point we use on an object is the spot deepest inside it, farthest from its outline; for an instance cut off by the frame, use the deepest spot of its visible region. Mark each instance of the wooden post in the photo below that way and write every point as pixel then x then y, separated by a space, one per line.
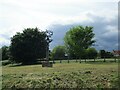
pixel 68 57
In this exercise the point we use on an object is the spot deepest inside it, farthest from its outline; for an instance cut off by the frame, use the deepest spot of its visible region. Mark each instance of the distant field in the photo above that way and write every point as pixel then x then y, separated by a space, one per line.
pixel 62 75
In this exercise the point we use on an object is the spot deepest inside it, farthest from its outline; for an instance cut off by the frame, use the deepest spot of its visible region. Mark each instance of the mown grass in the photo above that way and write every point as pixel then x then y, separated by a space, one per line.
pixel 62 75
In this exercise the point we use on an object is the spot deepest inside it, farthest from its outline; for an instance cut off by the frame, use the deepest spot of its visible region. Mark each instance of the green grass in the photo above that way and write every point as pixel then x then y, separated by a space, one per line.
pixel 62 75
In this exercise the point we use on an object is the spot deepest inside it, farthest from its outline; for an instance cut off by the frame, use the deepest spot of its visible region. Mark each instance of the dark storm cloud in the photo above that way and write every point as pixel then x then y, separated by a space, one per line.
pixel 106 38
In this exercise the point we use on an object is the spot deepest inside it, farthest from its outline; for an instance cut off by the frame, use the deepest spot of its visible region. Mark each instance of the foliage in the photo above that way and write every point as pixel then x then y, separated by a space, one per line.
pixel 79 38
pixel 105 54
pixel 28 46
pixel 102 53
pixel 5 52
pixel 91 53
pixel 109 54
pixel 58 52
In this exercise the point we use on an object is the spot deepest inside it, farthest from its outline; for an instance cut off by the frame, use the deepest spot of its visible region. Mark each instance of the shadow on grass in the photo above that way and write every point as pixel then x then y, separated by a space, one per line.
pixel 20 64
pixel 28 64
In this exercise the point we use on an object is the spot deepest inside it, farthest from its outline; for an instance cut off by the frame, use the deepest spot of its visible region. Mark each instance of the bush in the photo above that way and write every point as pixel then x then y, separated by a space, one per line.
pixel 91 53
pixel 58 53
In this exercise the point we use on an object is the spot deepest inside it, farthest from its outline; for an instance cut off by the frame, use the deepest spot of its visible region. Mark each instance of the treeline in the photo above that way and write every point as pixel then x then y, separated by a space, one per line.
pixel 59 53
pixel 32 44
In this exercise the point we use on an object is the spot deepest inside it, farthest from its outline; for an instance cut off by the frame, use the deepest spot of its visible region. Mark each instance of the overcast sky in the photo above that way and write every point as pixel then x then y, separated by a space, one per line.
pixel 59 16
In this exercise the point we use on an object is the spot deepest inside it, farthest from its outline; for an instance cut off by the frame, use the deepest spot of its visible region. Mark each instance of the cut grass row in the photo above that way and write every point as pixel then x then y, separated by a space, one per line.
pixel 64 67
pixel 65 75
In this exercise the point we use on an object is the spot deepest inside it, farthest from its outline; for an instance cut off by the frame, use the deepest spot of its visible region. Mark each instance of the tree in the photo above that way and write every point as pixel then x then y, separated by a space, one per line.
pixel 102 54
pixel 5 52
pixel 78 39
pixel 28 46
pixel 106 54
pixel 58 53
pixel 91 53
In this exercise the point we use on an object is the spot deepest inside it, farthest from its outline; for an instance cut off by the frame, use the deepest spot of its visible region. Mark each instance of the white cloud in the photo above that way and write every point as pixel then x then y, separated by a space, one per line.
pixel 19 14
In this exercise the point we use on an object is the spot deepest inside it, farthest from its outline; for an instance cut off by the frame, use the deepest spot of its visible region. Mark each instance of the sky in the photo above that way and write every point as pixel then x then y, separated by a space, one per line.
pixel 59 16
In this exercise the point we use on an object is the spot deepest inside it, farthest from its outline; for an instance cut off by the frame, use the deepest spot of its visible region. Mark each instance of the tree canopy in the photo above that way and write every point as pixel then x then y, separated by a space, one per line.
pixel 28 46
pixel 58 52
pixel 78 39
pixel 105 54
pixel 91 53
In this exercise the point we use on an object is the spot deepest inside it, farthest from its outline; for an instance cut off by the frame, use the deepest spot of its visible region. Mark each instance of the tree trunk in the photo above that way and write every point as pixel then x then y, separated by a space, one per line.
pixel 104 59
pixel 76 60
pixel 68 58
pixel 60 61
pixel 53 61
pixel 80 60
pixel 115 59
pixel 68 61
pixel 94 59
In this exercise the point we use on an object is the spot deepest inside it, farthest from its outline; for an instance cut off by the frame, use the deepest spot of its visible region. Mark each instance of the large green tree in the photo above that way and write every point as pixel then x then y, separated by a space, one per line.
pixel 78 39
pixel 28 46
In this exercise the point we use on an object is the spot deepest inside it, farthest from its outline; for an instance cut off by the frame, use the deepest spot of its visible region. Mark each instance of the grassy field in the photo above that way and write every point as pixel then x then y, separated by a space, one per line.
pixel 62 75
